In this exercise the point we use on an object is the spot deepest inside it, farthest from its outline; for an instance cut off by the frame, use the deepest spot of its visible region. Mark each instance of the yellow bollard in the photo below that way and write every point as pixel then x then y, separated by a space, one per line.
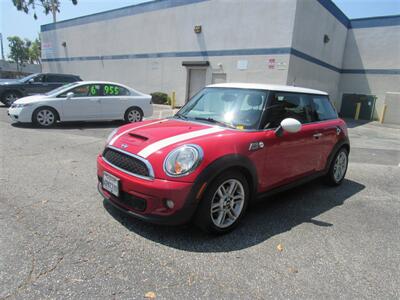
pixel 173 100
pixel 384 108
pixel 358 108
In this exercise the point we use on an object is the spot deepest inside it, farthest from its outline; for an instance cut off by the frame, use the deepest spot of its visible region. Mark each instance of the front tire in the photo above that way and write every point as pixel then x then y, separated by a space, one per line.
pixel 133 114
pixel 10 97
pixel 44 117
pixel 338 168
pixel 224 203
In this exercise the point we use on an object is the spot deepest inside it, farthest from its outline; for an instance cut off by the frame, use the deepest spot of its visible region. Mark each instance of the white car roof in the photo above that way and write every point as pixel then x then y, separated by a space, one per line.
pixel 98 82
pixel 270 87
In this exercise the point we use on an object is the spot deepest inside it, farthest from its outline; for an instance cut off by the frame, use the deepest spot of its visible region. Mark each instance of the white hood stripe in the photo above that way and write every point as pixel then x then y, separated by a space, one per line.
pixel 176 139
pixel 133 129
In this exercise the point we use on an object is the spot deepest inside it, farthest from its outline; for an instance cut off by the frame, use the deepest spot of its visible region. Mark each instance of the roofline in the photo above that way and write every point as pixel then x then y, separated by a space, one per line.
pixel 268 87
pixel 378 21
pixel 119 12
pixel 155 5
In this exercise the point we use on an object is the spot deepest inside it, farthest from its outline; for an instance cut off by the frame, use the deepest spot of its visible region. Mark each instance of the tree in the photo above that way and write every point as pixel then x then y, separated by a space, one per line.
pixel 19 50
pixel 35 52
pixel 49 6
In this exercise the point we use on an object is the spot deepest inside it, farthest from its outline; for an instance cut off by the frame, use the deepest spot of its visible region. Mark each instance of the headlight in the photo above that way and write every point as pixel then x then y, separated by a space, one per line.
pixel 111 135
pixel 183 160
pixel 20 105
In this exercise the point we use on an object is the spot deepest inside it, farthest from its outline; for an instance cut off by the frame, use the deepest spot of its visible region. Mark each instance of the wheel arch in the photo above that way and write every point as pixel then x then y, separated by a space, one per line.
pixel 344 143
pixel 225 164
pixel 17 91
pixel 46 106
pixel 132 107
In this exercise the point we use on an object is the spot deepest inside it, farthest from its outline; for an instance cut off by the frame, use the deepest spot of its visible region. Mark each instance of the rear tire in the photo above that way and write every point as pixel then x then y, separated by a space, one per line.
pixel 223 204
pixel 133 114
pixel 338 168
pixel 44 117
pixel 10 97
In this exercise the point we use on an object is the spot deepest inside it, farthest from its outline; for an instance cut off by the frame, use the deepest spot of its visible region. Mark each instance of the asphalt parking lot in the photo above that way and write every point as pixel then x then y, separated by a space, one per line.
pixel 58 239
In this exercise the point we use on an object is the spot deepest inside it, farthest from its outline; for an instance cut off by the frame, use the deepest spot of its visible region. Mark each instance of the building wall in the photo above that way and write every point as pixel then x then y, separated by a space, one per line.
pixel 322 68
pixel 138 51
pixel 392 102
pixel 371 62
pixel 282 42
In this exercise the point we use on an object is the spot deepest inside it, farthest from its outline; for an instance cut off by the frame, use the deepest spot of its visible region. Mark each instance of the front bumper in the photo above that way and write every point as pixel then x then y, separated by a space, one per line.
pixel 22 114
pixel 154 193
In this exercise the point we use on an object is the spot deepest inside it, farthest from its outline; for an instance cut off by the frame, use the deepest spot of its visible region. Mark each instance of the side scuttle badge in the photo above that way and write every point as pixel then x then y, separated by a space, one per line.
pixel 256 146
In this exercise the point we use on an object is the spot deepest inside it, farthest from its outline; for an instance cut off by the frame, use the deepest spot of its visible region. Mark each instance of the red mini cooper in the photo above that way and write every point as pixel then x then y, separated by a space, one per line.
pixel 229 145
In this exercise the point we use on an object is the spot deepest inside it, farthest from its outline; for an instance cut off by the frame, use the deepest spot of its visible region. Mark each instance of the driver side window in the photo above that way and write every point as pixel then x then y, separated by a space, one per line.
pixel 89 90
pixel 39 78
pixel 288 105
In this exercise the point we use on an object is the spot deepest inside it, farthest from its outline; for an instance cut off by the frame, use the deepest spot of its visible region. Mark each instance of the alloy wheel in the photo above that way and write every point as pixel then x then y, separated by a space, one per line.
pixel 227 203
pixel 339 169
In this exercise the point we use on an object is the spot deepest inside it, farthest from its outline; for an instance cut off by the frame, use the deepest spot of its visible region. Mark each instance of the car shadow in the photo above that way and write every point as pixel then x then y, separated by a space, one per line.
pixel 263 220
pixel 73 125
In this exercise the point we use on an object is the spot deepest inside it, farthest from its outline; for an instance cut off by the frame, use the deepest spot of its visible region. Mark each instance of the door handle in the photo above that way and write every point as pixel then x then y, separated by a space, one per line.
pixel 317 135
pixel 95 100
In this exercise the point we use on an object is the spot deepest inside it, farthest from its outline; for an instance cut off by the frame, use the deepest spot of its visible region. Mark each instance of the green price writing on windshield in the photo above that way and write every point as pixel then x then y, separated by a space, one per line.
pixel 111 90
pixel 94 90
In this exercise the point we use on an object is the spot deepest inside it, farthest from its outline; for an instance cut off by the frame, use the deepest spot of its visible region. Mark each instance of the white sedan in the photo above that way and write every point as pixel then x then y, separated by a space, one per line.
pixel 83 101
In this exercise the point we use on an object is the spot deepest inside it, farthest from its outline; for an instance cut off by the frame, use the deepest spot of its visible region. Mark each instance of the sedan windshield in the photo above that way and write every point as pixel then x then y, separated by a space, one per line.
pixel 231 107
pixel 60 89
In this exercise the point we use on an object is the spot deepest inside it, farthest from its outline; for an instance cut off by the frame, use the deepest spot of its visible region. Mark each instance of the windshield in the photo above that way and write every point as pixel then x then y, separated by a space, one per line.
pixel 61 88
pixel 25 79
pixel 231 107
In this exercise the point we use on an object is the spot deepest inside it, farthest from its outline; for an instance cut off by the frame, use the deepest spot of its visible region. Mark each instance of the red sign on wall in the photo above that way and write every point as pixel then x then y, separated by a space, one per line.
pixel 271 63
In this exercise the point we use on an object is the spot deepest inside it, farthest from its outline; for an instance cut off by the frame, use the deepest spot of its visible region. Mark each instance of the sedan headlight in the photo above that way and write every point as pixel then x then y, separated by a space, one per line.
pixel 111 135
pixel 183 160
pixel 20 105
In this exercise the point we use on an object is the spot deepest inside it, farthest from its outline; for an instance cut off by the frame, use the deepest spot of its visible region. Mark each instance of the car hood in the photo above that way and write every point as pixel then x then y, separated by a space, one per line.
pixel 150 137
pixel 30 99
pixel 9 81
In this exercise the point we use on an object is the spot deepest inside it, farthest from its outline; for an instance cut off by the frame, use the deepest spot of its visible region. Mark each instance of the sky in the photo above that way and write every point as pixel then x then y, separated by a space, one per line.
pixel 13 22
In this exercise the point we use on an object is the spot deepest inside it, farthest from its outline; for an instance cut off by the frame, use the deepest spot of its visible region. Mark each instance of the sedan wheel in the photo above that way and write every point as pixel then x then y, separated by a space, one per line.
pixel 133 115
pixel 45 117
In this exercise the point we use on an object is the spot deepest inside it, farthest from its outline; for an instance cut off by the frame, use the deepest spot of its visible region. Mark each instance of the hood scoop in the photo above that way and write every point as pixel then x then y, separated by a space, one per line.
pixel 139 137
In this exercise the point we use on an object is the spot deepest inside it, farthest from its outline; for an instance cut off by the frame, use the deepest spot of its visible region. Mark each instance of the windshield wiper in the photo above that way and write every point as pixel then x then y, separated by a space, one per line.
pixel 180 116
pixel 211 120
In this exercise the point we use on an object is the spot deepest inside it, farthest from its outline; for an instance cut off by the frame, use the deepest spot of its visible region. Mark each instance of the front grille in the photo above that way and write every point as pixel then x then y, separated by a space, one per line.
pixel 126 162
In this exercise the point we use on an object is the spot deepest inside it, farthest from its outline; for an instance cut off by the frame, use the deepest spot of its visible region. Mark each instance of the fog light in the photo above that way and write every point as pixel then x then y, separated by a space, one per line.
pixel 169 203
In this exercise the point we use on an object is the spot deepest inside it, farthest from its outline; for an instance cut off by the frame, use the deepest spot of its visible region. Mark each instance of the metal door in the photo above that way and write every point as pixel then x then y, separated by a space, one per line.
pixel 197 80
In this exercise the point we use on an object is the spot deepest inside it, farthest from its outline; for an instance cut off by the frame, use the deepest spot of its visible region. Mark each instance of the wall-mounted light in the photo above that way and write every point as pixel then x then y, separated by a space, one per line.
pixel 326 39
pixel 64 44
pixel 197 29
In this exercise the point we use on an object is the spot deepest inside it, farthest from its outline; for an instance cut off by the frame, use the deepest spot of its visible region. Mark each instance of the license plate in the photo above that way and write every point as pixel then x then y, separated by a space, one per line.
pixel 111 183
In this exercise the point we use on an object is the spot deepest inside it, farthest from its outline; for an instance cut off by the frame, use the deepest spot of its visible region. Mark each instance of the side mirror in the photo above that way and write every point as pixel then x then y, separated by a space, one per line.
pixel 70 95
pixel 290 125
pixel 31 80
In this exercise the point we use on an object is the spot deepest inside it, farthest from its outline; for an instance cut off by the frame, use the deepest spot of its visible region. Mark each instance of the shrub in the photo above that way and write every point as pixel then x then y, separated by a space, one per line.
pixel 160 98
